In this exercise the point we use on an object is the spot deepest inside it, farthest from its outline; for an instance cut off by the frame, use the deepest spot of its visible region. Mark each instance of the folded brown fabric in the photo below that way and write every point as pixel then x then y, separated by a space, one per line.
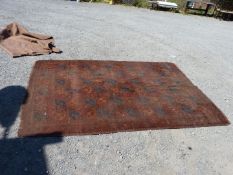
pixel 18 41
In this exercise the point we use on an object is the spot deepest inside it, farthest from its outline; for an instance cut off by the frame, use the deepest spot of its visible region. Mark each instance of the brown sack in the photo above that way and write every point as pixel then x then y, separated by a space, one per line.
pixel 18 41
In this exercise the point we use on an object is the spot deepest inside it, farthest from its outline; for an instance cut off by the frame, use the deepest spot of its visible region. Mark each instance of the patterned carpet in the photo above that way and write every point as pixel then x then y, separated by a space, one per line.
pixel 93 97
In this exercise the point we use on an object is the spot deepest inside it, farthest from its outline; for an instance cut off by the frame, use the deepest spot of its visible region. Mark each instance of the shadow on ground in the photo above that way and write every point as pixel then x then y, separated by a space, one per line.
pixel 20 155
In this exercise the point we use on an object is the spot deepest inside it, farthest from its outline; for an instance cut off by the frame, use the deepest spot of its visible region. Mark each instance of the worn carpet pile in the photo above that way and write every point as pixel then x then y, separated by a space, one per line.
pixel 18 41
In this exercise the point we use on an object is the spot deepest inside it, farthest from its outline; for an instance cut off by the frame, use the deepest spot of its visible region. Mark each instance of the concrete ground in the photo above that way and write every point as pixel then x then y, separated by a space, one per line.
pixel 201 47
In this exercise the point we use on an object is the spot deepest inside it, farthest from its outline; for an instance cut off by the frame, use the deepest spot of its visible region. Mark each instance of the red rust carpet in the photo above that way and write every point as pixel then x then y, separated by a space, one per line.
pixel 94 97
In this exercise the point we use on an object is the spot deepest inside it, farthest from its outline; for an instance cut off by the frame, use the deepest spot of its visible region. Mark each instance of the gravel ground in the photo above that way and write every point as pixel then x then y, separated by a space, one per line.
pixel 200 46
